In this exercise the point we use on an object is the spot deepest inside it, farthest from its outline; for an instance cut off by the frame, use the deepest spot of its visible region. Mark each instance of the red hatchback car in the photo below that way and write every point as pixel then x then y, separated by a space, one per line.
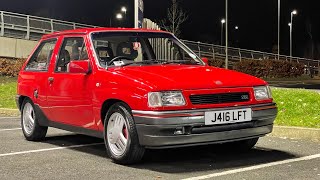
pixel 138 89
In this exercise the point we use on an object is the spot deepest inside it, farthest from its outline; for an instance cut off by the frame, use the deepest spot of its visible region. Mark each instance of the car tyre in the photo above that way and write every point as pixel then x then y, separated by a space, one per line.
pixel 31 128
pixel 120 136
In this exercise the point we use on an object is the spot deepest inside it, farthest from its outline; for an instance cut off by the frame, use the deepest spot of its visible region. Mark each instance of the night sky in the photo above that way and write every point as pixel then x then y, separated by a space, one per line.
pixel 257 19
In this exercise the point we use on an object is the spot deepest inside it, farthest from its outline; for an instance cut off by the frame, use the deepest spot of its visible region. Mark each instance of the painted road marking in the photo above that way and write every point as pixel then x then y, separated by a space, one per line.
pixel 13 129
pixel 15 118
pixel 254 167
pixel 49 149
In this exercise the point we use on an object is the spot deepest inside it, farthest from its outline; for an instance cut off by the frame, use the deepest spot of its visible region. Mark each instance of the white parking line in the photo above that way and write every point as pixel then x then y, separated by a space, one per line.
pixel 49 149
pixel 254 167
pixel 10 118
pixel 13 129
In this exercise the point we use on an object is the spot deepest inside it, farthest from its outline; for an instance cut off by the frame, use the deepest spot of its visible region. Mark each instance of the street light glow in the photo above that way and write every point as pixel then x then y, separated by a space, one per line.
pixel 119 16
pixel 223 21
pixel 237 27
pixel 294 12
pixel 124 9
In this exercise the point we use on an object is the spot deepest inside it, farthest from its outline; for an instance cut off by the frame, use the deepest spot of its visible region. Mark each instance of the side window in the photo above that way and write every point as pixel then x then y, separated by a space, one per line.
pixel 40 60
pixel 73 49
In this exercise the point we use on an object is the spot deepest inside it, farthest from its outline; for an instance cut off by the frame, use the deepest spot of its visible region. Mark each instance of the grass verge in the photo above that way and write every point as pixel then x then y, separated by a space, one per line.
pixel 8 91
pixel 299 108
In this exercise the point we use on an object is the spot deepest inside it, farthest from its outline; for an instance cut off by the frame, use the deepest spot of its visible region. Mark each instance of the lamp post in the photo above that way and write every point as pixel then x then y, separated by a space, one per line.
pixel 236 28
pixel 294 12
pixel 119 16
pixel 124 10
pixel 223 21
pixel 279 14
pixel 227 38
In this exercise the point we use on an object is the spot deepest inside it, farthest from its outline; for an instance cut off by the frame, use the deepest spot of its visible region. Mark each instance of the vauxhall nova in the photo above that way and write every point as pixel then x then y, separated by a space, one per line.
pixel 138 89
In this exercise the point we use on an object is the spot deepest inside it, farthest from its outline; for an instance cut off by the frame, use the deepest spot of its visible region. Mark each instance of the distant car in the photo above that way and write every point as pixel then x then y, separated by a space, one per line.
pixel 138 89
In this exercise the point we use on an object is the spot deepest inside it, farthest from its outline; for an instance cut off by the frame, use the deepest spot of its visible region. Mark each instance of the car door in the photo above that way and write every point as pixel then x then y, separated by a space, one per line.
pixel 33 79
pixel 70 94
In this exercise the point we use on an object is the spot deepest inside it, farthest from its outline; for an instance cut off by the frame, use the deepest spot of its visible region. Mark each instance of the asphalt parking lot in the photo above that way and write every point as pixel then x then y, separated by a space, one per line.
pixel 65 155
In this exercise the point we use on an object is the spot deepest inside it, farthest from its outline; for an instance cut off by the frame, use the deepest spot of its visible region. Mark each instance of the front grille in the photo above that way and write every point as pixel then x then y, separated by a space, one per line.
pixel 219 98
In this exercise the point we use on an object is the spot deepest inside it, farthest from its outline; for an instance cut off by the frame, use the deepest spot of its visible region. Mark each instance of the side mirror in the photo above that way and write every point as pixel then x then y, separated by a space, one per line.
pixel 82 67
pixel 205 60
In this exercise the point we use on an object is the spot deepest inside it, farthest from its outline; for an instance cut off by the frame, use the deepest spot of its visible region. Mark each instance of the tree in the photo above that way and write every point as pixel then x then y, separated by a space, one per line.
pixel 175 17
pixel 309 30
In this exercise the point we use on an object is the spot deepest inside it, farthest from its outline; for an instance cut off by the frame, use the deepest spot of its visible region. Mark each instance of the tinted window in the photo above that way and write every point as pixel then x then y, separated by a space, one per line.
pixel 40 60
pixel 126 48
pixel 73 49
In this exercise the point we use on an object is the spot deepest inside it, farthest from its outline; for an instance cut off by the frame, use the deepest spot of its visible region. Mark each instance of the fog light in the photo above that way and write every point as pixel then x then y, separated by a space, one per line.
pixel 179 131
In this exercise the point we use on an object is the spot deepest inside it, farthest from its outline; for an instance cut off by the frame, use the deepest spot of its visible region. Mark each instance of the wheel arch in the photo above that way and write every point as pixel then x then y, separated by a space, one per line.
pixel 106 106
pixel 20 101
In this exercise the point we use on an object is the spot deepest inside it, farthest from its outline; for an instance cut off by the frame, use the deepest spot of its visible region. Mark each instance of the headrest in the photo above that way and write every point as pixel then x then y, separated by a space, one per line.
pixel 102 49
pixel 126 49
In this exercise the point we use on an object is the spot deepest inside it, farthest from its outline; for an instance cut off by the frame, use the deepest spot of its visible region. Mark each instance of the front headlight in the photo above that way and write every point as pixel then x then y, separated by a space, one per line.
pixel 262 93
pixel 167 98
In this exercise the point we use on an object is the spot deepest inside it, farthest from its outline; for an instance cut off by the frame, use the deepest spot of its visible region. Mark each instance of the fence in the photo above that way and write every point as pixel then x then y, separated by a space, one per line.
pixel 235 54
pixel 163 48
pixel 32 27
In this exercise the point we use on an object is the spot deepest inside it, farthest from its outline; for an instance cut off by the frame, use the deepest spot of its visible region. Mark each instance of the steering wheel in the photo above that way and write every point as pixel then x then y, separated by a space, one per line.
pixel 117 59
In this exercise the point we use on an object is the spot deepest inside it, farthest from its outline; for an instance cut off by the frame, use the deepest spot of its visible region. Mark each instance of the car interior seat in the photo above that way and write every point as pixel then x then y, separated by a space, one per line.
pixel 126 49
pixel 64 60
pixel 105 54
pixel 75 52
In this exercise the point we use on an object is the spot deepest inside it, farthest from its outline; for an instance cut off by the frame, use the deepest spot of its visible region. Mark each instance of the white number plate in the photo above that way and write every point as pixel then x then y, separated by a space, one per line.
pixel 228 117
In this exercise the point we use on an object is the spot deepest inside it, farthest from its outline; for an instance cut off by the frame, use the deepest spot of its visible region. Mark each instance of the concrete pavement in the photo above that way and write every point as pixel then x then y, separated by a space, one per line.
pixel 65 155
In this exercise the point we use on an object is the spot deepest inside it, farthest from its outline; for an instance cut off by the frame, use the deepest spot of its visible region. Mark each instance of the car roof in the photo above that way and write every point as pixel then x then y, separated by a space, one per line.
pixel 90 30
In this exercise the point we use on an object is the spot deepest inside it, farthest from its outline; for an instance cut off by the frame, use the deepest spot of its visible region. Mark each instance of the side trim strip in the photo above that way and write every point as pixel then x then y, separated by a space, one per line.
pixel 169 115
pixel 44 121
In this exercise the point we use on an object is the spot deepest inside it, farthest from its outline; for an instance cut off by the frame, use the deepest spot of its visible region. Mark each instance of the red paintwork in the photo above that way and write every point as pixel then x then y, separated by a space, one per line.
pixel 77 98
pixel 205 60
pixel 81 67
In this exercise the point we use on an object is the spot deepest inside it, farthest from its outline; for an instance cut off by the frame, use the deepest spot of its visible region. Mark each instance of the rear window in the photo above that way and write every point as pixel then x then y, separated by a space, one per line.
pixel 40 60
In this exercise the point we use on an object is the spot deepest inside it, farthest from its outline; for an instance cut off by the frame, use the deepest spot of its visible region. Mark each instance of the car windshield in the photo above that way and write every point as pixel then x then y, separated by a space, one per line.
pixel 141 48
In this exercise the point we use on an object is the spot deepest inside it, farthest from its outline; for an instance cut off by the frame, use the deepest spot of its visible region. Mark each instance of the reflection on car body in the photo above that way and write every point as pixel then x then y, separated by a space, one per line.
pixel 138 89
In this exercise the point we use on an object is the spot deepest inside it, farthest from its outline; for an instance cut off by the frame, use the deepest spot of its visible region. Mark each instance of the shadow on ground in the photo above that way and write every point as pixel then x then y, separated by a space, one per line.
pixel 181 160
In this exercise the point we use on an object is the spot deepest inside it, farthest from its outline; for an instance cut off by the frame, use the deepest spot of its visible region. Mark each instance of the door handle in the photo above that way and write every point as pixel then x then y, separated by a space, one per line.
pixel 50 79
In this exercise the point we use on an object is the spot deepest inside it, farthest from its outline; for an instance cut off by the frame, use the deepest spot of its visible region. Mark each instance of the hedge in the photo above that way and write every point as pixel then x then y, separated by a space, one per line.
pixel 264 68
pixel 258 68
pixel 270 68
pixel 10 67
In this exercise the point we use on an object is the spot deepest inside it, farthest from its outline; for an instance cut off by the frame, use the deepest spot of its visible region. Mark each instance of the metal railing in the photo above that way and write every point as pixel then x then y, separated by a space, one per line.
pixel 32 27
pixel 234 54
pixel 237 54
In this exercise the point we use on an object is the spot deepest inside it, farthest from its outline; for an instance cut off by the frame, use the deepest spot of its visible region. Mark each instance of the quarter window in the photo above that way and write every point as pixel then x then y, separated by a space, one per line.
pixel 40 60
pixel 73 49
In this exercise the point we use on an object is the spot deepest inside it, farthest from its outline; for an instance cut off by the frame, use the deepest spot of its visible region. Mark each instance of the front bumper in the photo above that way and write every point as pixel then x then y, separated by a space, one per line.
pixel 156 129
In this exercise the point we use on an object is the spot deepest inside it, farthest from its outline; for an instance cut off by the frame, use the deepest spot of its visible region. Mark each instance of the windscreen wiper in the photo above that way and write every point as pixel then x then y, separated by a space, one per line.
pixel 180 62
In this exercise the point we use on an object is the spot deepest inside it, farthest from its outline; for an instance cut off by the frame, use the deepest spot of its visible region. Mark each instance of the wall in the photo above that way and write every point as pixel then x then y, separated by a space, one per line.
pixel 16 48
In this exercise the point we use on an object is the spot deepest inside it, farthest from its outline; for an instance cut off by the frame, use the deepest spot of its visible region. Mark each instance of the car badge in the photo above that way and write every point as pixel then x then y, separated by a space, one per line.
pixel 244 97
